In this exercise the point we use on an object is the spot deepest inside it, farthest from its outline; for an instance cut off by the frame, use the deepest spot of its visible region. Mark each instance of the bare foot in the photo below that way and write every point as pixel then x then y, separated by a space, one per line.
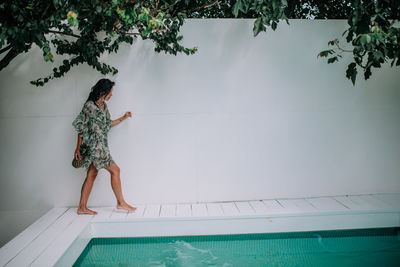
pixel 125 206
pixel 81 211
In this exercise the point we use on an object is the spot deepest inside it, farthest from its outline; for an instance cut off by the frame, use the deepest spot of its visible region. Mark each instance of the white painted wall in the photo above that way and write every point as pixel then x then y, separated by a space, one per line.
pixel 243 118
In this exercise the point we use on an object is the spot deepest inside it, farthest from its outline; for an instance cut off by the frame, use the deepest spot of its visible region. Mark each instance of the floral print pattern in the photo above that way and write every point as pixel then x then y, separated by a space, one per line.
pixel 93 124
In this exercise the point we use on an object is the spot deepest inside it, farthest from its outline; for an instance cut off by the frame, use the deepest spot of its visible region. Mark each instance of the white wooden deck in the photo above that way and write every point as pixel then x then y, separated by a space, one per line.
pixel 45 241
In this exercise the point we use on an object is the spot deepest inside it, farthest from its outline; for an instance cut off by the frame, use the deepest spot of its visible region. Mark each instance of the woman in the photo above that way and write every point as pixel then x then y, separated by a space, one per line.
pixel 92 125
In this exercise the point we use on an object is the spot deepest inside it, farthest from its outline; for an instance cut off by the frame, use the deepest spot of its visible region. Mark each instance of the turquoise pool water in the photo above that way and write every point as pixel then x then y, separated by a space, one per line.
pixel 372 247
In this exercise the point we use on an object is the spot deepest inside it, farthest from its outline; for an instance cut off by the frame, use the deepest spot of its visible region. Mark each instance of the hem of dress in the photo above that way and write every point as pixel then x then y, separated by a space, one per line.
pixel 105 166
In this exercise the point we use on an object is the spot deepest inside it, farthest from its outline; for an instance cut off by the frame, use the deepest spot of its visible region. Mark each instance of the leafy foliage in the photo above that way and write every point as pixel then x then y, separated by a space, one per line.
pixel 269 12
pixel 25 22
pixel 86 29
pixel 373 36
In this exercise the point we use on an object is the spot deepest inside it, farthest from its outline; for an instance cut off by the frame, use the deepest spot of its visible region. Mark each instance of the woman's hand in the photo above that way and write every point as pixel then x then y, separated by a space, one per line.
pixel 127 114
pixel 77 154
pixel 120 119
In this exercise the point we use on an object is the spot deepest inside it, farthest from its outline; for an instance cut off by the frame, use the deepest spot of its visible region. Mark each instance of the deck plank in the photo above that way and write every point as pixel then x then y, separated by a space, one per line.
pixel 294 206
pixel 229 208
pixel 363 202
pixel 290 206
pixel 244 208
pixel 38 245
pixel 55 250
pixel 138 212
pixel 259 206
pixel 199 209
pixel 350 203
pixel 183 210
pixel 373 202
pixel 214 209
pixel 118 214
pixel 274 207
pixel 18 243
pixel 168 210
pixel 391 199
pixel 103 213
pixel 327 204
pixel 152 211
pixel 304 205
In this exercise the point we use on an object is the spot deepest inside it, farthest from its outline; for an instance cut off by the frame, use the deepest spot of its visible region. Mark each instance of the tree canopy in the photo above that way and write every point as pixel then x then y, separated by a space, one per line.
pixel 85 29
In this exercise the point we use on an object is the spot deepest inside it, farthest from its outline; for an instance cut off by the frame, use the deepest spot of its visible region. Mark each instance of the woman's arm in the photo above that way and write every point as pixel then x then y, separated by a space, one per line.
pixel 118 121
pixel 78 145
pixel 77 154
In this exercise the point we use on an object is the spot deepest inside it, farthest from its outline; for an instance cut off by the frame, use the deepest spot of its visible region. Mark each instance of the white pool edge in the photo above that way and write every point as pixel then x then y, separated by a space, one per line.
pixel 221 225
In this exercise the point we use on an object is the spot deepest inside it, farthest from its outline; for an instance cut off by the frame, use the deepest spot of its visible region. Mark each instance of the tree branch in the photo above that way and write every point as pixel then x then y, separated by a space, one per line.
pixel 157 11
pixel 291 7
pixel 158 2
pixel 201 7
pixel 7 58
pixel 64 33
pixel 5 49
pixel 341 49
pixel 344 50
pixel 133 33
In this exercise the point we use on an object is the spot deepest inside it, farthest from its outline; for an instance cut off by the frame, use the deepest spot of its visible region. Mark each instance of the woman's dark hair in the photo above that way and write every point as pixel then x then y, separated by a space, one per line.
pixel 102 87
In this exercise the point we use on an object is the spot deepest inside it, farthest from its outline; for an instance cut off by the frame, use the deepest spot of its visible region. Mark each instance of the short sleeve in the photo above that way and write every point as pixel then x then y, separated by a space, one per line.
pixel 108 119
pixel 82 119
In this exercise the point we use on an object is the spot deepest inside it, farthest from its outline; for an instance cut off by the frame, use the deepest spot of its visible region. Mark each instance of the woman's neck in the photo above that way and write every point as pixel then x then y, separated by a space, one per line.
pixel 100 103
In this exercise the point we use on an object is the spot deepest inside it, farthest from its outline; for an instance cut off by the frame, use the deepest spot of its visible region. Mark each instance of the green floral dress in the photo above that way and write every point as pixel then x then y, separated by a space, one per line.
pixel 93 124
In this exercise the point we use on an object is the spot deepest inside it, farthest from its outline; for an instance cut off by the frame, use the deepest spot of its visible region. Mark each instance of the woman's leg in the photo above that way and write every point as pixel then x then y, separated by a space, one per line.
pixel 85 192
pixel 117 188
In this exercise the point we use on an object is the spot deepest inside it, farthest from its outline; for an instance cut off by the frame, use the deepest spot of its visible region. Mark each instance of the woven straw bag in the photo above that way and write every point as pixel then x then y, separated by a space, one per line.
pixel 77 163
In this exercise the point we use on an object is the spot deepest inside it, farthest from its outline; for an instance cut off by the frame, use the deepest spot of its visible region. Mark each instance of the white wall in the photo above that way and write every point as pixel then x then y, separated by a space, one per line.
pixel 243 118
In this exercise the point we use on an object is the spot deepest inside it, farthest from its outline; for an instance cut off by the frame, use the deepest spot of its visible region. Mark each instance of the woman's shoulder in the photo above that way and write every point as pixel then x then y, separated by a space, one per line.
pixel 89 105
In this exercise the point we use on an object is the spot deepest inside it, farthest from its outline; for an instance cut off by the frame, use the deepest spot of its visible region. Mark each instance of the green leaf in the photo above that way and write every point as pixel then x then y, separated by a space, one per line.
pixel 325 53
pixel 367 73
pixel 258 26
pixel 72 21
pixel 357 49
pixel 145 33
pixel 244 7
pixel 351 72
pixel 349 36
pixel 274 25
pixel 365 39
pixel 46 49
pixel 378 56
pixel 236 7
pixel 332 59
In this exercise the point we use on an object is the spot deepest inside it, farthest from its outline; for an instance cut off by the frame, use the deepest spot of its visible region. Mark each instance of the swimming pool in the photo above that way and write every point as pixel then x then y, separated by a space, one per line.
pixel 60 236
pixel 360 247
